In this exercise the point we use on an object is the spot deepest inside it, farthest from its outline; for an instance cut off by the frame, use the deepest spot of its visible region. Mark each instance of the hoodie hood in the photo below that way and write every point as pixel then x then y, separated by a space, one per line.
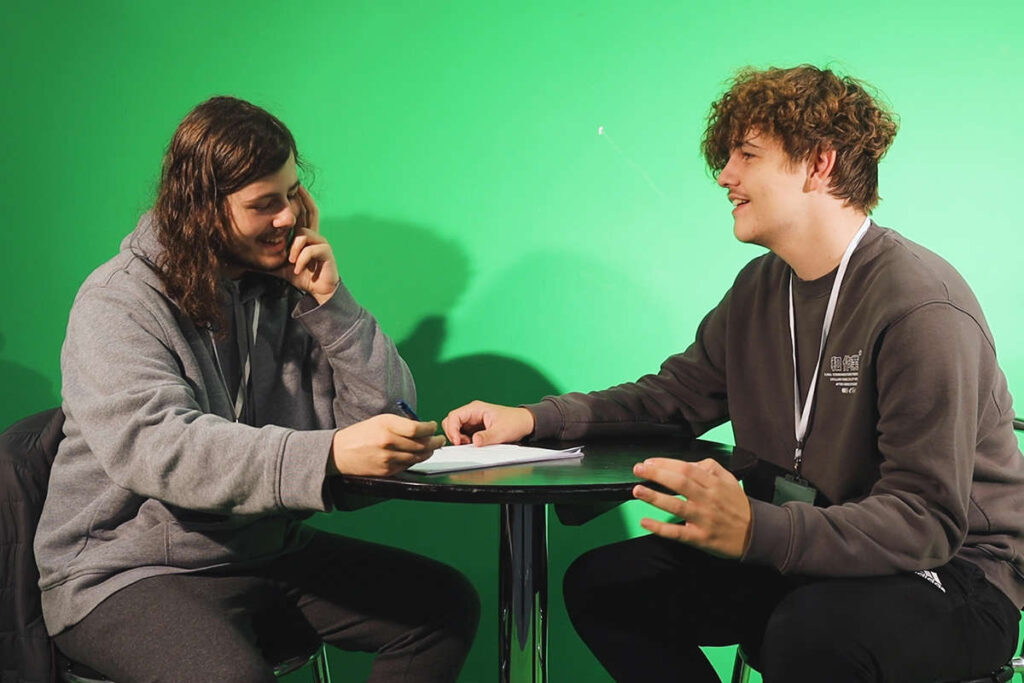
pixel 143 242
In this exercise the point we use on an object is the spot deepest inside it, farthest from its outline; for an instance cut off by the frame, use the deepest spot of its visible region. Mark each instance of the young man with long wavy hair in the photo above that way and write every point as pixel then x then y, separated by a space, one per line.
pixel 216 373
pixel 879 535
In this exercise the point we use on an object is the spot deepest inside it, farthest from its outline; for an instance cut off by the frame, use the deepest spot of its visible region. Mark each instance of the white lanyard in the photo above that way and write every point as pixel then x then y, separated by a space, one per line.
pixel 243 383
pixel 802 415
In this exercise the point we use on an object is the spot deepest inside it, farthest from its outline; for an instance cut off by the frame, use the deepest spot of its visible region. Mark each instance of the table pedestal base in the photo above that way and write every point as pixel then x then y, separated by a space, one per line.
pixel 523 594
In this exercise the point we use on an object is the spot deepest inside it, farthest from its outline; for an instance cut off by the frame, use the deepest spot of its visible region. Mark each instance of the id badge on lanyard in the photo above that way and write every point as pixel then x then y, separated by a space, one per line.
pixel 793 486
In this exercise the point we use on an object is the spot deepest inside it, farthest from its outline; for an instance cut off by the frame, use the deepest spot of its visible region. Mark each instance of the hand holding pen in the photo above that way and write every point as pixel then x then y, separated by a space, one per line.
pixel 383 445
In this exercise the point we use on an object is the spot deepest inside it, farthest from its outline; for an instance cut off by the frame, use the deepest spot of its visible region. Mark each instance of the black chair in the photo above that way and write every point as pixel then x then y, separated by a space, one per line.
pixel 27 450
pixel 741 669
pixel 741 666
pixel 315 657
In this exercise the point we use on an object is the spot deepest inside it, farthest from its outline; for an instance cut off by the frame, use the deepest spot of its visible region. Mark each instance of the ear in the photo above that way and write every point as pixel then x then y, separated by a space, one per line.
pixel 819 169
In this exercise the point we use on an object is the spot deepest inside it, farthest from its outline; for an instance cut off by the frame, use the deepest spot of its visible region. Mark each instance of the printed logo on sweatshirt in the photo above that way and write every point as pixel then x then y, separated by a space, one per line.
pixel 844 372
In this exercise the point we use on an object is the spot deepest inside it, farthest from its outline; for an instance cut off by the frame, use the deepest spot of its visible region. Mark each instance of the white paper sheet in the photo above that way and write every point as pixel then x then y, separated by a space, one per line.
pixel 457 458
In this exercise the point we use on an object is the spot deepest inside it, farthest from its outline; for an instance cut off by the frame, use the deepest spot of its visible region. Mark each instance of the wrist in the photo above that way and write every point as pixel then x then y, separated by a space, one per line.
pixel 322 298
pixel 530 423
pixel 332 464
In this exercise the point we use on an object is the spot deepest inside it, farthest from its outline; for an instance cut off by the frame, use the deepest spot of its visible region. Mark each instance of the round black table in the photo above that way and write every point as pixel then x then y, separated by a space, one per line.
pixel 579 489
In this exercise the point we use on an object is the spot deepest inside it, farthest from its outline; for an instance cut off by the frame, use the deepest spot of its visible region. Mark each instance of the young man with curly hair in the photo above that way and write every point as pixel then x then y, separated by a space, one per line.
pixel 879 533
pixel 216 374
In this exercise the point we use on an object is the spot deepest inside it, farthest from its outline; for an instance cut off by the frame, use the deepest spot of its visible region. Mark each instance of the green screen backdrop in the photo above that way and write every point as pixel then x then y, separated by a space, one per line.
pixel 508 247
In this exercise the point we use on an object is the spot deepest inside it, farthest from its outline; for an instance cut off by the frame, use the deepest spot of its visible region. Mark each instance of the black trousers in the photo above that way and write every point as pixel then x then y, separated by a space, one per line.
pixel 418 615
pixel 644 606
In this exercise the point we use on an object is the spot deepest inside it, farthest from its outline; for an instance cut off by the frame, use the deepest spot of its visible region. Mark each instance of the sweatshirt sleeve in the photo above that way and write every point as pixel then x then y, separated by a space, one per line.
pixel 687 396
pixel 931 368
pixel 368 375
pixel 127 392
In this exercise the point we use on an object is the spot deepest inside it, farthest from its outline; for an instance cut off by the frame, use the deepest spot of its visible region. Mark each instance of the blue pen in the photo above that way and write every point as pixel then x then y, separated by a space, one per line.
pixel 409 412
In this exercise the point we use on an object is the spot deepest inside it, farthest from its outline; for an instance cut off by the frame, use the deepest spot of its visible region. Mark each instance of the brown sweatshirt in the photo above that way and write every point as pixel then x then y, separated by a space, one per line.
pixel 911 440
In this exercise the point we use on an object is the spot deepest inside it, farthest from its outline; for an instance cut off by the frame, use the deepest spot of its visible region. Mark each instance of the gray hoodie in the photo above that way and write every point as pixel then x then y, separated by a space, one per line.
pixel 154 475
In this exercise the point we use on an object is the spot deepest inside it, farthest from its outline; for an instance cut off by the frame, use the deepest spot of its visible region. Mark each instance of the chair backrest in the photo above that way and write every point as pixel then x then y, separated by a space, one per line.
pixel 27 449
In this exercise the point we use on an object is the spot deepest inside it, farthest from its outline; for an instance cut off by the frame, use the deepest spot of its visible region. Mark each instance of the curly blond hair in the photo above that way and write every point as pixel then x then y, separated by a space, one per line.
pixel 808 110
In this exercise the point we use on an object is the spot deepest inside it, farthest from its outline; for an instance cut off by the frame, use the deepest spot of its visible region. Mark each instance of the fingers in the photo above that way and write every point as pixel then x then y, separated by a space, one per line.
pixel 310 210
pixel 312 257
pixel 683 533
pixel 298 242
pixel 698 470
pixel 411 429
pixel 314 269
pixel 663 501
pixel 391 462
pixel 691 534
pixel 714 469
pixel 684 478
pixel 420 448
pixel 404 453
pixel 413 436
pixel 486 437
pixel 304 237
pixel 483 423
pixel 462 422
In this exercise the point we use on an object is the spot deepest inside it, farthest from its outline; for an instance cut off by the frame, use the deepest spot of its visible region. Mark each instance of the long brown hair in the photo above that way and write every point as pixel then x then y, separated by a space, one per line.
pixel 221 146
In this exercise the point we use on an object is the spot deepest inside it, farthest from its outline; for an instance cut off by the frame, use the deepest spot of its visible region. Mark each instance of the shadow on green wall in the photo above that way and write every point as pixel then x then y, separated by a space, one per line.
pixel 25 391
pixel 411 278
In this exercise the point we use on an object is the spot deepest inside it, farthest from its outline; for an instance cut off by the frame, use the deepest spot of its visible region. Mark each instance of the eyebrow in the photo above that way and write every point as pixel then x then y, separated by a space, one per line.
pixel 267 195
pixel 751 144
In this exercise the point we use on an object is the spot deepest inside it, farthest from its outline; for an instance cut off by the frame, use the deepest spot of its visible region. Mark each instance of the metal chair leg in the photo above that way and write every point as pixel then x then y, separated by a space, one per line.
pixel 321 671
pixel 740 670
pixel 316 660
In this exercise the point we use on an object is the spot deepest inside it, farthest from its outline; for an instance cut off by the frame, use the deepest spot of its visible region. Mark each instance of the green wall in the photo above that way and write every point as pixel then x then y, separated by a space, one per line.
pixel 507 247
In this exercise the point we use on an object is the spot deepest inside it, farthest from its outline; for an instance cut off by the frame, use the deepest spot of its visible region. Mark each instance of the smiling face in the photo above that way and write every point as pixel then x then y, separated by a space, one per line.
pixel 767 190
pixel 263 215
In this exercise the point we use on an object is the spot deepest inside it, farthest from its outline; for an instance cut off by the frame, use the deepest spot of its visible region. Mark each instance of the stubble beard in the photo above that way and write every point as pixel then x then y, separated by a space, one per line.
pixel 233 260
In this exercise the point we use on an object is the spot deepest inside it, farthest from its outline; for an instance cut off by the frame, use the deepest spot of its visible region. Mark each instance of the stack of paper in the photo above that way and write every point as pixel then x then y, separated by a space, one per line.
pixel 458 458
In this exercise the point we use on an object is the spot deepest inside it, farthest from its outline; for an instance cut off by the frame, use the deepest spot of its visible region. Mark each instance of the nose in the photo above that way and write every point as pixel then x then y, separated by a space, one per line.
pixel 727 176
pixel 287 217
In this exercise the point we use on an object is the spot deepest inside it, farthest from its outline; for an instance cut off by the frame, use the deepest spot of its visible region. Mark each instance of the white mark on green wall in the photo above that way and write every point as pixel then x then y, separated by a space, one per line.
pixel 635 166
